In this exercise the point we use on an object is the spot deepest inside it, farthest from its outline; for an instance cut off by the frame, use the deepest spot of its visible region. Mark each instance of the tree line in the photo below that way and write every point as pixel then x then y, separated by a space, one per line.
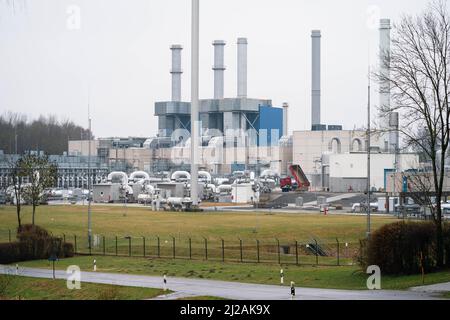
pixel 18 134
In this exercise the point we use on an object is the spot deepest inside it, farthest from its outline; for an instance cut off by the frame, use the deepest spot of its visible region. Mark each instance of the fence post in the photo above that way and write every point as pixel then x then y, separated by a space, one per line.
pixel 159 248
pixel 279 253
pixel 75 242
pixel 296 253
pixel 129 246
pixel 143 243
pixel 117 251
pixel 104 245
pixel 9 235
pixel 190 249
pixel 240 248
pixel 338 249
pixel 317 252
pixel 173 246
pixel 257 249
pixel 206 248
pixel 223 250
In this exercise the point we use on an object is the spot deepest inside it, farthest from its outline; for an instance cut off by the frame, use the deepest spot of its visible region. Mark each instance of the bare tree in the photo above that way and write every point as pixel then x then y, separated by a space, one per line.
pixel 419 78
pixel 17 177
pixel 41 175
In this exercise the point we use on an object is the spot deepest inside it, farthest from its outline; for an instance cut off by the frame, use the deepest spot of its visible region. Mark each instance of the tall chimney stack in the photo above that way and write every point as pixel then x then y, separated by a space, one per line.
pixel 219 68
pixel 242 67
pixel 391 121
pixel 315 83
pixel 176 72
pixel 285 119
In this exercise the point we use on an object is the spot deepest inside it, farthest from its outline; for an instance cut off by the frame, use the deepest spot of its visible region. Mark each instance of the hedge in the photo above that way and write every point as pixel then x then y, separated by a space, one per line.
pixel 404 248
pixel 34 243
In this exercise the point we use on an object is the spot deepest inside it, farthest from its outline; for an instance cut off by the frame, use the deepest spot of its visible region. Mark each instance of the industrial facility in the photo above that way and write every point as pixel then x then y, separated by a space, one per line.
pixel 245 150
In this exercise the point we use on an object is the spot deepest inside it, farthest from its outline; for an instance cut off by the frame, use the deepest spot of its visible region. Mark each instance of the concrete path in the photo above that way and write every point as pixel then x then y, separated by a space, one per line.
pixel 434 288
pixel 228 290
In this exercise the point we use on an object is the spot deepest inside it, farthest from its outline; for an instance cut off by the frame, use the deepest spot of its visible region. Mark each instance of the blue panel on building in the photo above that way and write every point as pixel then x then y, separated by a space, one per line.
pixel 270 120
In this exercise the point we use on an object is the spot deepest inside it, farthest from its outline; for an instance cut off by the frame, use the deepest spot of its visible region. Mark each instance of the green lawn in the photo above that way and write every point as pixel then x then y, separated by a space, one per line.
pixel 347 277
pixel 25 288
pixel 138 222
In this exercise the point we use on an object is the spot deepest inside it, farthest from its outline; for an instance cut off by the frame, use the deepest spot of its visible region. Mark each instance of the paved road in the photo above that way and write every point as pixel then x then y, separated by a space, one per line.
pixel 228 290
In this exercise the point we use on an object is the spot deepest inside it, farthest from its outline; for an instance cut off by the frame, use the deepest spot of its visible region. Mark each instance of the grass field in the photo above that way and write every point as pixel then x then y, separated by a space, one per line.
pixel 25 288
pixel 138 222
pixel 107 220
pixel 346 277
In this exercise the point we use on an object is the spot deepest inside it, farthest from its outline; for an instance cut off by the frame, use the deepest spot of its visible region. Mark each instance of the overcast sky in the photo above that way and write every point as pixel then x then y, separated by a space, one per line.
pixel 118 50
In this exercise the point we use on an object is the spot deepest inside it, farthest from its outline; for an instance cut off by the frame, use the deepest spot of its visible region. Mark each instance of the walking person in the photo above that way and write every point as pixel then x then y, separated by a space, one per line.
pixel 292 290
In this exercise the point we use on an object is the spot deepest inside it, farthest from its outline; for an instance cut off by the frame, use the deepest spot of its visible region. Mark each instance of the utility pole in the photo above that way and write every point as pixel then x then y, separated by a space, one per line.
pixel 195 35
pixel 368 158
pixel 89 181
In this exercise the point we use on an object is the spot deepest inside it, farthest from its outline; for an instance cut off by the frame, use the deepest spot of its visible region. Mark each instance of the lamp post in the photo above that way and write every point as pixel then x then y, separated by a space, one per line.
pixel 368 159
pixel 195 35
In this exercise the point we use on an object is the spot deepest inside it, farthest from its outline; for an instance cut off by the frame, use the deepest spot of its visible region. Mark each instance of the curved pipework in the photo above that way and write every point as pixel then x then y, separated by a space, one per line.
pixel 149 189
pixel 224 188
pixel 128 189
pixel 177 175
pixel 212 187
pixel 121 175
pixel 139 175
pixel 220 181
pixel 206 175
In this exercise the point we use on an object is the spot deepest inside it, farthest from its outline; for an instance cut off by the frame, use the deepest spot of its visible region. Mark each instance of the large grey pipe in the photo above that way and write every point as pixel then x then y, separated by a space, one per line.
pixel 242 67
pixel 315 81
pixel 219 68
pixel 176 72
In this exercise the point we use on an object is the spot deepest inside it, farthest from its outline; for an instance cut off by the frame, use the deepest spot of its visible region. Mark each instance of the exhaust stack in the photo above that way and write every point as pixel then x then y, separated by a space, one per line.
pixel 176 72
pixel 242 67
pixel 219 68
pixel 285 119
pixel 315 81
pixel 391 121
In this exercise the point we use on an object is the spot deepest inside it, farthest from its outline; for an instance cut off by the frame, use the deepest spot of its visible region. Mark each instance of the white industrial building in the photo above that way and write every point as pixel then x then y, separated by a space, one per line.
pixel 348 172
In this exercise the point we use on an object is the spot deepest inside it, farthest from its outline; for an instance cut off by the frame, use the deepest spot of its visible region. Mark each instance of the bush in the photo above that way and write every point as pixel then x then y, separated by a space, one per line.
pixel 403 248
pixel 34 243
pixel 9 252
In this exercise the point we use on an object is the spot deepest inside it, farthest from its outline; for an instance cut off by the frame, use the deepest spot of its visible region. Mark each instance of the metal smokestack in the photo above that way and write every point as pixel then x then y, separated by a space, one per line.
pixel 242 67
pixel 391 121
pixel 285 119
pixel 176 72
pixel 315 81
pixel 219 68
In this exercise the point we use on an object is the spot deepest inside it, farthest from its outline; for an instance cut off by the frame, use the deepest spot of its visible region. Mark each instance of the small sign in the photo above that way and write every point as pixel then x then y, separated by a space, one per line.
pixel 53 257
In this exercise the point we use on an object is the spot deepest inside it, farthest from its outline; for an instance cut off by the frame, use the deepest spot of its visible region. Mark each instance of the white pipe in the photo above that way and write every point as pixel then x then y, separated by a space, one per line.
pixel 205 175
pixel 123 176
pixel 139 175
pixel 224 188
pixel 212 187
pixel 178 174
